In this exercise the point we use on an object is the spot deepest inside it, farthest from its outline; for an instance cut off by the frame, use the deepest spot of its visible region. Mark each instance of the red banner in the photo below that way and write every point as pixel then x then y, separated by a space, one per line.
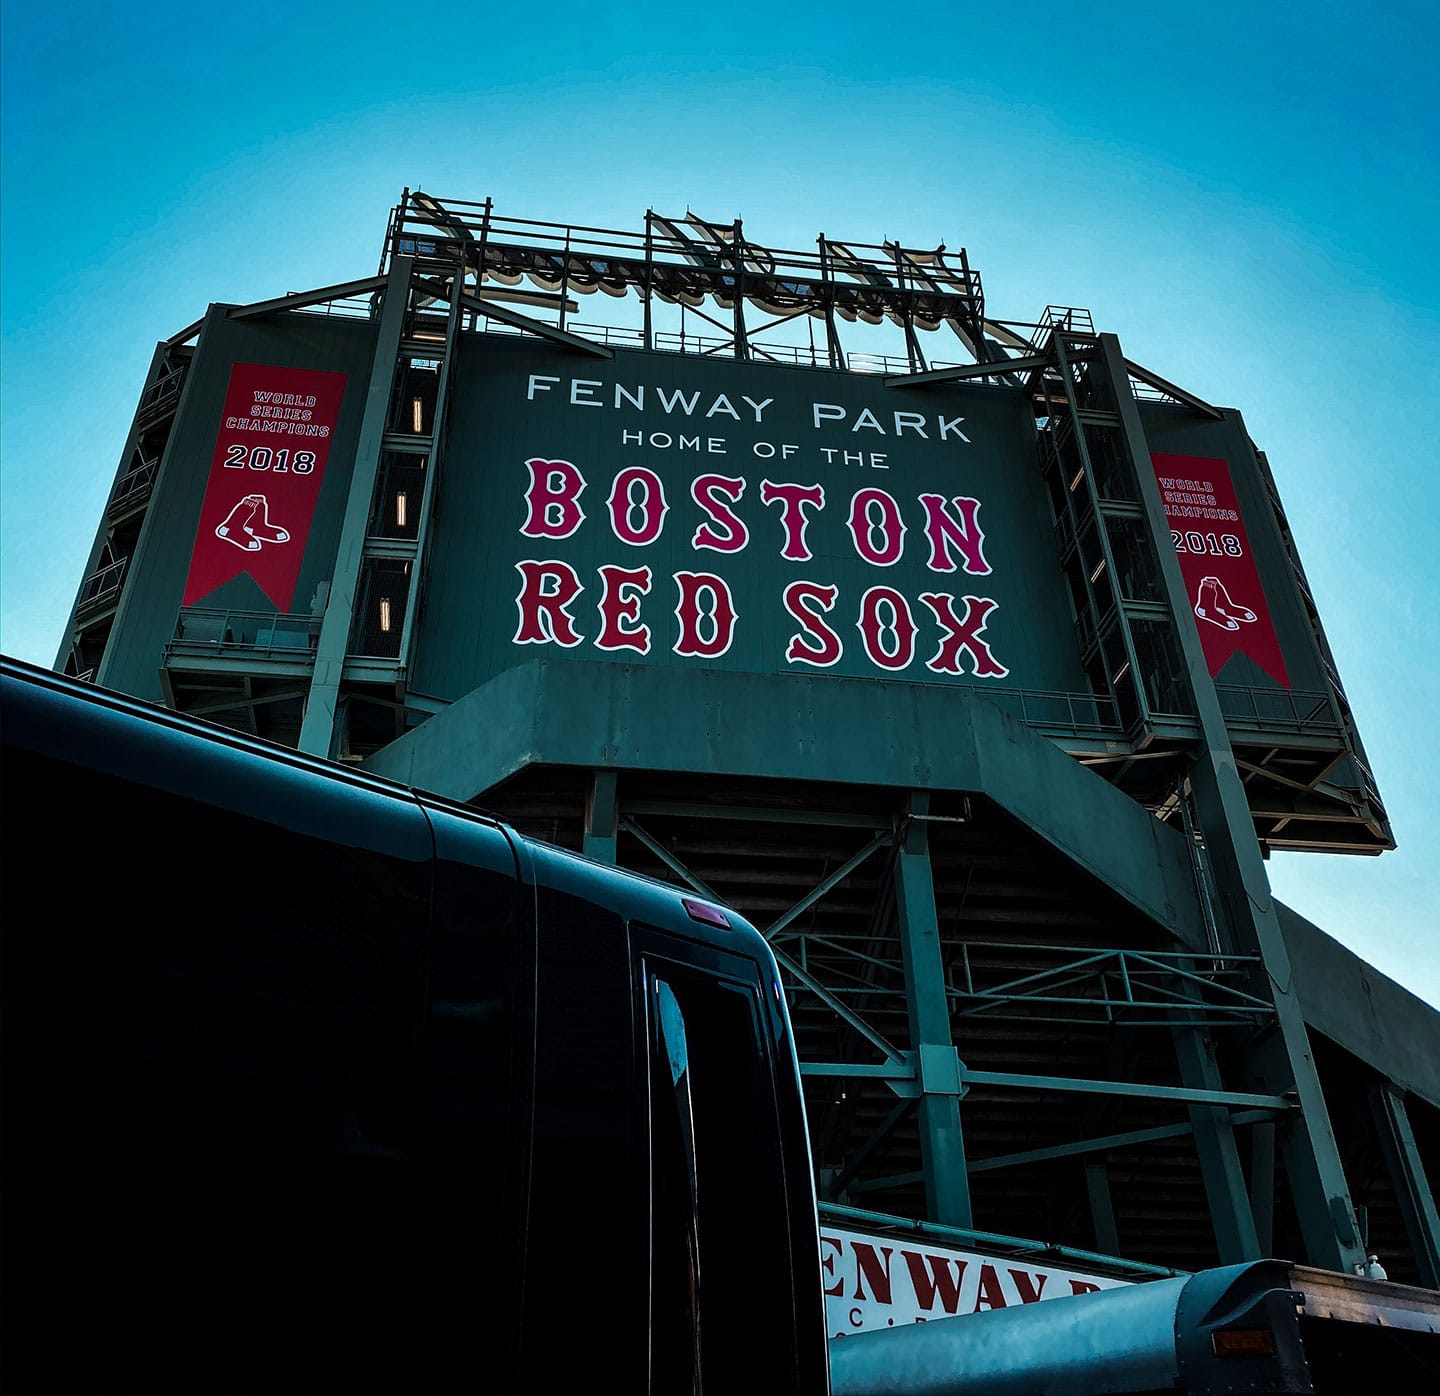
pixel 265 479
pixel 1215 559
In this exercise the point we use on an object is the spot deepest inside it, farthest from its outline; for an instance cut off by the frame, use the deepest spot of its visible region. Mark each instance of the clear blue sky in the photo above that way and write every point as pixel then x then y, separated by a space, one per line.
pixel 1245 193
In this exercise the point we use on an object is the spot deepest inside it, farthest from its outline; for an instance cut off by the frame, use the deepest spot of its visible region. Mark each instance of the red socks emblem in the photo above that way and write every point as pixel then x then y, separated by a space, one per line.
pixel 1213 603
pixel 248 525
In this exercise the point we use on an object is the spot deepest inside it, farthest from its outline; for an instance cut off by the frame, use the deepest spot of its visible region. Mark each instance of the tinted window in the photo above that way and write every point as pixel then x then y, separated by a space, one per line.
pixel 744 1289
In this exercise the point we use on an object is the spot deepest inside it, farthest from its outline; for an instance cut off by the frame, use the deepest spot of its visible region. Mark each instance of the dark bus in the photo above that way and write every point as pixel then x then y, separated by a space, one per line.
pixel 314 1083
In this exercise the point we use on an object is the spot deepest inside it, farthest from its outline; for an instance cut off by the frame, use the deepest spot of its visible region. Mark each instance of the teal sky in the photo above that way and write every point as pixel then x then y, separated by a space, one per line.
pixel 1246 195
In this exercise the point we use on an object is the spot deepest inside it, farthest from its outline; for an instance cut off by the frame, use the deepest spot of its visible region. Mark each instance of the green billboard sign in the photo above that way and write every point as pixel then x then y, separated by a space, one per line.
pixel 658 509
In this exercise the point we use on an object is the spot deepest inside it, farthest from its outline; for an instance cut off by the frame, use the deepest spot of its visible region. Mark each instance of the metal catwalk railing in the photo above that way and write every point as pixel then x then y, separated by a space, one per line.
pixel 679 342
pixel 1269 708
pixel 208 631
pixel 101 587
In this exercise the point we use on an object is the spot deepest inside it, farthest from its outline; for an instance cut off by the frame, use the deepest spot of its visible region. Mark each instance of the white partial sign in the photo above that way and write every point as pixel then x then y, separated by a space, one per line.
pixel 879 1281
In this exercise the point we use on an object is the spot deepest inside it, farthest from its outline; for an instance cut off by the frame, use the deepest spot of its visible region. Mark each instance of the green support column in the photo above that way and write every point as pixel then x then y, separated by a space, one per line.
pixel 317 732
pixel 1283 1061
pixel 1225 1188
pixel 942 1145
pixel 601 818
pixel 1407 1175
pixel 1102 1206
pixel 1262 1184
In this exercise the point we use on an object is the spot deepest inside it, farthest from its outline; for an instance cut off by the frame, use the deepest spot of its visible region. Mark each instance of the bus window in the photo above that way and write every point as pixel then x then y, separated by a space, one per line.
pixel 675 1326
pixel 723 1301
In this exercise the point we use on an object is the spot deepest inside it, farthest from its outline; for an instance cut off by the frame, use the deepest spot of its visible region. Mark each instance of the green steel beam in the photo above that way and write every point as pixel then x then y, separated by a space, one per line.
pixel 1181 1095
pixel 741 335
pixel 181 662
pixel 1262 1184
pixel 242 700
pixel 1407 1176
pixel 367 669
pixel 601 818
pixel 184 336
pixel 942 1144
pixel 298 300
pixel 317 731
pixel 845 945
pixel 833 880
pixel 1172 390
pixel 1121 1014
pixel 1103 1144
pixel 672 862
pixel 1102 1206
pixel 1224 1178
pixel 1004 336
pixel 897 1070
pixel 901 1072
pixel 897 1066
pixel 1282 1059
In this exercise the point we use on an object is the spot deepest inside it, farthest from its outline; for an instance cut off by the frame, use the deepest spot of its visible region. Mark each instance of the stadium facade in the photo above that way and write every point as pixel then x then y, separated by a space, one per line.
pixel 971 660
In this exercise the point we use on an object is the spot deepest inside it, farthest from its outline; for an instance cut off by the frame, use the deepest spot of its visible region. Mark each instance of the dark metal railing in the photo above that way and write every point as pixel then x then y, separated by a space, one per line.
pixel 133 487
pixel 1076 714
pixel 690 263
pixel 209 631
pixel 1067 318
pixel 162 395
pixel 100 588
pixel 672 342
pixel 1264 709
pixel 344 307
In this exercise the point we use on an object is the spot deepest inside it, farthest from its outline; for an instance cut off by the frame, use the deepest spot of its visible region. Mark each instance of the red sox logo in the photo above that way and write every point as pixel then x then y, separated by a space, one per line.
pixel 248 525
pixel 1213 603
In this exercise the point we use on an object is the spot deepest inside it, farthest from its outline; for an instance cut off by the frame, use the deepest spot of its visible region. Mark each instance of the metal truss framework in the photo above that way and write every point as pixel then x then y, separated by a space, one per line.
pixel 869 980
pixel 906 994
pixel 689 261
pixel 87 633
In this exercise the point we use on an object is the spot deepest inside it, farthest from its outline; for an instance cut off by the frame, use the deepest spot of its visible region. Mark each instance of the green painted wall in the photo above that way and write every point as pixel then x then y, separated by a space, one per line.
pixel 156 581
pixel 978 444
pixel 1355 1005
